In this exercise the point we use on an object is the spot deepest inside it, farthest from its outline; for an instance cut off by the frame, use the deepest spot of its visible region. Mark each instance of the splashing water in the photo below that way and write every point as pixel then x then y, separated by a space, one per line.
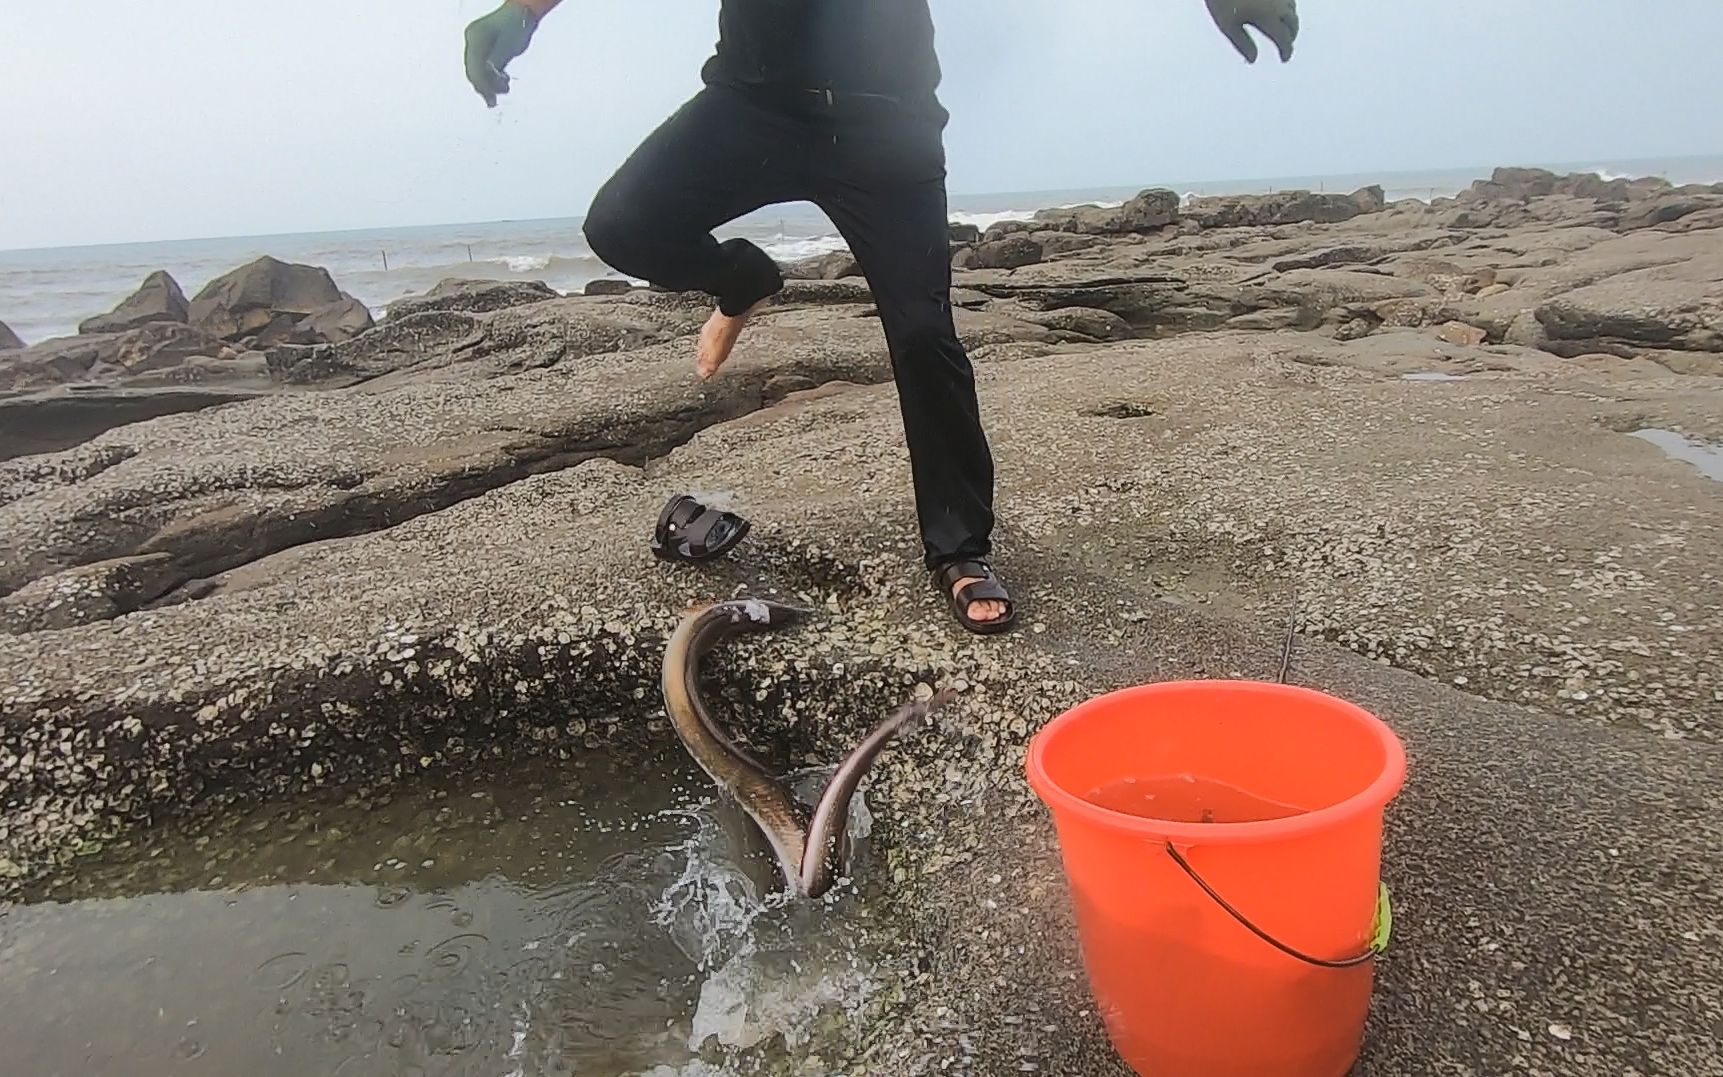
pixel 605 918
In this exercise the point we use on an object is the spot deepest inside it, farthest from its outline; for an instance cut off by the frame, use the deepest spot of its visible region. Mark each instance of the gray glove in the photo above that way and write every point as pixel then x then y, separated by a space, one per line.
pixel 492 41
pixel 1276 19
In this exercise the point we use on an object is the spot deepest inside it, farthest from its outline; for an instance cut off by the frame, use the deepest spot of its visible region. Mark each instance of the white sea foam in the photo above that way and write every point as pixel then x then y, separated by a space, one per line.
pixel 984 221
pixel 523 263
pixel 1097 205
pixel 793 249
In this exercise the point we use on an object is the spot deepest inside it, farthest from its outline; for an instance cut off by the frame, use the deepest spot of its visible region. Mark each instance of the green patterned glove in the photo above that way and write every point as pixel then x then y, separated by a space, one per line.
pixel 492 41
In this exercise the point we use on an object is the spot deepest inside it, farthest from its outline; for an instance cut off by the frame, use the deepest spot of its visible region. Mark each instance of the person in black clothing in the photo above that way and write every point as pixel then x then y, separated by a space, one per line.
pixel 832 102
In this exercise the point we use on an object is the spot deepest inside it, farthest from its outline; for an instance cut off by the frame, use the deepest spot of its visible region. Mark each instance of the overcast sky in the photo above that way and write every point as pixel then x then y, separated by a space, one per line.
pixel 122 120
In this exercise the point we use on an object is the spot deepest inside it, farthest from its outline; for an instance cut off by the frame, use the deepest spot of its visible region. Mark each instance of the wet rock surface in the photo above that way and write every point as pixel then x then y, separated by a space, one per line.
pixel 449 556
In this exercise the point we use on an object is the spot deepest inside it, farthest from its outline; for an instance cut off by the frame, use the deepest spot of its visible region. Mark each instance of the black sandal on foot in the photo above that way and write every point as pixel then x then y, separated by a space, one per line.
pixel 987 588
pixel 689 531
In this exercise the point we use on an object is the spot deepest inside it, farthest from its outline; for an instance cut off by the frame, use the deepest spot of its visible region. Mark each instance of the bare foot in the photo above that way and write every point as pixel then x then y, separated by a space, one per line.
pixel 984 610
pixel 718 338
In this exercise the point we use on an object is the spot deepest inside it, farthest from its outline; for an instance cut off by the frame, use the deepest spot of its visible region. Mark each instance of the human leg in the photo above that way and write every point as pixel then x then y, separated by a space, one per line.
pixel 883 184
pixel 715 159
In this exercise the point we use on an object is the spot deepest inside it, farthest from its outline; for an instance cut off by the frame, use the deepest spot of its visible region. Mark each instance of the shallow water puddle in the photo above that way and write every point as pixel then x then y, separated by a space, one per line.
pixel 1432 375
pixel 544 918
pixel 1707 458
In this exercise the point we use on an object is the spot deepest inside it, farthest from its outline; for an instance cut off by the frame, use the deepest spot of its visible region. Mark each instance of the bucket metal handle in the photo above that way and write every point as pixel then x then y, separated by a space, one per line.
pixel 1378 942
pixel 1384 926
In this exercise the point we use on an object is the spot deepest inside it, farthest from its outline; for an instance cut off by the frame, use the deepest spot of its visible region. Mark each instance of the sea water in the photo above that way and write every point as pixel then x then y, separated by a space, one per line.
pixel 45 292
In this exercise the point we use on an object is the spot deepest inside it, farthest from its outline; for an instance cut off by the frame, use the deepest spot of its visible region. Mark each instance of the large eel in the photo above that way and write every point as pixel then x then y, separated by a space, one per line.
pixel 807 844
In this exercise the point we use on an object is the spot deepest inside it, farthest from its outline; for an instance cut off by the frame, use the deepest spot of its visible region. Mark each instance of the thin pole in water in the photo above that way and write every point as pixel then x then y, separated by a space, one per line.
pixel 469 252
pixel 385 261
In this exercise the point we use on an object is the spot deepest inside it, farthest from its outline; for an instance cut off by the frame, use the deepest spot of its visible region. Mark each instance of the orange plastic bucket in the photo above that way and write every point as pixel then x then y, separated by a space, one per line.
pixel 1211 831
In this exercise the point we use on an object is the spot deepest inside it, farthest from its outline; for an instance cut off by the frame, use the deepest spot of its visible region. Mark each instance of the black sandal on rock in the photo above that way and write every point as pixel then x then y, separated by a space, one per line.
pixel 987 588
pixel 689 531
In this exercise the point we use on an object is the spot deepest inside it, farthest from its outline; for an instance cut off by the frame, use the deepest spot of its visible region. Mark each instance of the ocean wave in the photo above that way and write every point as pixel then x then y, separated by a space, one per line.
pixel 524 263
pixel 791 248
pixel 984 221
pixel 500 267
pixel 1097 205
pixel 538 263
pixel 1420 194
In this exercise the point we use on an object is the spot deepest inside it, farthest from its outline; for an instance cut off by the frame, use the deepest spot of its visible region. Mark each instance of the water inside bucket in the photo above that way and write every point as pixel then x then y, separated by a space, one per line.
pixel 1187 798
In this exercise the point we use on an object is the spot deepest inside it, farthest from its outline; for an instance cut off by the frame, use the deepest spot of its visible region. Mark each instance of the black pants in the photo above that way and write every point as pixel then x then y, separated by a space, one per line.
pixel 878 171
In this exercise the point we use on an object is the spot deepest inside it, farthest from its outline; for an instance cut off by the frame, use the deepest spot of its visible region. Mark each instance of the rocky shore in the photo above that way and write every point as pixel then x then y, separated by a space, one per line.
pixel 250 543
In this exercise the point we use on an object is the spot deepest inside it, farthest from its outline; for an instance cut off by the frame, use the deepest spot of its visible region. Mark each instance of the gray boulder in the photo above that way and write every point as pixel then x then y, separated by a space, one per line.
pixel 1009 253
pixel 52 362
pixel 265 299
pixel 108 356
pixel 160 345
pixel 1012 228
pixel 159 299
pixel 340 321
pixel 307 364
pixel 1281 207
pixel 965 233
pixel 8 339
pixel 1524 184
pixel 1667 209
pixel 473 297
pixel 834 266
pixel 1053 243
pixel 607 286
pixel 1512 185
pixel 1635 311
pixel 1150 210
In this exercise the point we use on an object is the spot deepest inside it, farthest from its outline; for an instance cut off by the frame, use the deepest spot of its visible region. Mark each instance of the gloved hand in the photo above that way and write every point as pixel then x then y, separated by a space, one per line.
pixel 492 41
pixel 1277 19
